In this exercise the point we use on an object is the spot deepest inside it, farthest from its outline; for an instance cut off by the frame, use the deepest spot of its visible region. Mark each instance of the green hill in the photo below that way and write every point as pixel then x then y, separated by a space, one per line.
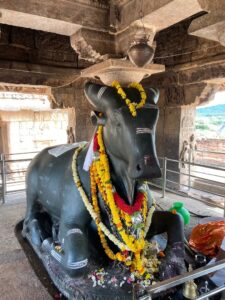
pixel 210 122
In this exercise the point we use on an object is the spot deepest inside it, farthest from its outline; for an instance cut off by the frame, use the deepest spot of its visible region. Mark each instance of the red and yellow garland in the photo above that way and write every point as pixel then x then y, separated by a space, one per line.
pixel 100 178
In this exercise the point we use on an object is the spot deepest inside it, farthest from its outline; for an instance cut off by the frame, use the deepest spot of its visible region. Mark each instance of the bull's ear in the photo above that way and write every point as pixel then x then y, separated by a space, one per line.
pixel 97 118
pixel 153 95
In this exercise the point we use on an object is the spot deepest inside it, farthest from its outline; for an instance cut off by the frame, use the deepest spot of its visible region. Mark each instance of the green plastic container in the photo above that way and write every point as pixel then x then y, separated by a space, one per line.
pixel 180 209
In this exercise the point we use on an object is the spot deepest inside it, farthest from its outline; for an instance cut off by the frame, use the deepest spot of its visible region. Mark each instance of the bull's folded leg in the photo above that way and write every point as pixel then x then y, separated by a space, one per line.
pixel 31 225
pixel 76 252
pixel 172 224
pixel 74 257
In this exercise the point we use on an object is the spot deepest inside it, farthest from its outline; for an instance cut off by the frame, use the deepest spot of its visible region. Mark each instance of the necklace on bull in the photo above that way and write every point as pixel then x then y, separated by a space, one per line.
pixel 131 222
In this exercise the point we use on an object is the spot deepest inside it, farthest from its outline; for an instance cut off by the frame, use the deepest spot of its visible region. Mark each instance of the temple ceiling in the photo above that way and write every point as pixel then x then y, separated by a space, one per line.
pixel 48 43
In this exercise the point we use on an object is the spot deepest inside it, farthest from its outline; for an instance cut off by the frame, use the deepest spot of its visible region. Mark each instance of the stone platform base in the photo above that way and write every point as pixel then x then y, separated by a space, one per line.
pixel 113 278
pixel 100 282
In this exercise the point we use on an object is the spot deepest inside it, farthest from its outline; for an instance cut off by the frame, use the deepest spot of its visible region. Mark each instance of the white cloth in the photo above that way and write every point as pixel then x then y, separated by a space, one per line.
pixel 59 150
pixel 89 157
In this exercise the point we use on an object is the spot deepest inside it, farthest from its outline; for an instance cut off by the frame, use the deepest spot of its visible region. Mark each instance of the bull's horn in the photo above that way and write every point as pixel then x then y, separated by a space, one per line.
pixel 101 96
pixel 153 95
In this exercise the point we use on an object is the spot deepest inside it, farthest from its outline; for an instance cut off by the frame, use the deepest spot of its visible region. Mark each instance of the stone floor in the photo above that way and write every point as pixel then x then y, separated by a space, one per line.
pixel 17 278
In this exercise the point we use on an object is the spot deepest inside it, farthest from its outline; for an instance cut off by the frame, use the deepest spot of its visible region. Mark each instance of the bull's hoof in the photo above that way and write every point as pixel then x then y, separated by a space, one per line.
pixel 33 232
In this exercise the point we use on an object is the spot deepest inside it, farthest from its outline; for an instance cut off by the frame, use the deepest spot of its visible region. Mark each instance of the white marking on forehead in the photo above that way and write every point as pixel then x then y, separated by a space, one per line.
pixel 143 130
pixel 101 91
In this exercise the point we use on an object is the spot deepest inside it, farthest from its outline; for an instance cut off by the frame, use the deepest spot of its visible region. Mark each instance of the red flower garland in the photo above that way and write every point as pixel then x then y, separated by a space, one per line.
pixel 129 209
pixel 95 143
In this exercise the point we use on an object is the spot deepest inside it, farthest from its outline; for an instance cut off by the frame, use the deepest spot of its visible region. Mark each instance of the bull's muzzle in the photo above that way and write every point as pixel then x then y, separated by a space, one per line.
pixel 145 168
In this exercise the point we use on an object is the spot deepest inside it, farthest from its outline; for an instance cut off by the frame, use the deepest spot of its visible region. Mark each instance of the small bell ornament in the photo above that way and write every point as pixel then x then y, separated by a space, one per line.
pixel 190 289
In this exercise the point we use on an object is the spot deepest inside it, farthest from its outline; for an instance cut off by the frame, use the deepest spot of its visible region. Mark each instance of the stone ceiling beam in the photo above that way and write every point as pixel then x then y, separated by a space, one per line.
pixel 58 16
pixel 158 14
pixel 33 74
pixel 212 25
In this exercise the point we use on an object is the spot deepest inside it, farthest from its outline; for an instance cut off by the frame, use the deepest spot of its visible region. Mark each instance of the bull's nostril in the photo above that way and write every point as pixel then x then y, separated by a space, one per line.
pixel 138 168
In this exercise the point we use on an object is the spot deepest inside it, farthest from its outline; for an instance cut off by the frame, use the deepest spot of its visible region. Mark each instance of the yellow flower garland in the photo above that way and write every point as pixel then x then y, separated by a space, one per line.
pixel 101 180
pixel 133 106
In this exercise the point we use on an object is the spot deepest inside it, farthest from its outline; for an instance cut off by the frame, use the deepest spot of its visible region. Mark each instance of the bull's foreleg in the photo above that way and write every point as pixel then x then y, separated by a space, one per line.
pixel 75 248
pixel 172 224
pixel 31 225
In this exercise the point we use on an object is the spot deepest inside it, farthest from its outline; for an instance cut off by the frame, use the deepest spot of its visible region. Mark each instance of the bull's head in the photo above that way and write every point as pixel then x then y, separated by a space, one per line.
pixel 130 140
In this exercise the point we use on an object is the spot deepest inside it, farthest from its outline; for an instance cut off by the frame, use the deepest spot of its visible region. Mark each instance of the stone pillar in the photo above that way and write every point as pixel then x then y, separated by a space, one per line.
pixel 175 127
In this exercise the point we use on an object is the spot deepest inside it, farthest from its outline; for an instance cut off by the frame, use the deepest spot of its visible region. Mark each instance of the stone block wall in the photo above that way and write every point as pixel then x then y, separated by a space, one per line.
pixel 29 131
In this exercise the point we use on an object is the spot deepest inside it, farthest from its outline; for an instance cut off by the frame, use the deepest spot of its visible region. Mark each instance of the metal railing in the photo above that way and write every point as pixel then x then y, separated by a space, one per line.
pixel 210 157
pixel 13 169
pixel 175 281
pixel 197 181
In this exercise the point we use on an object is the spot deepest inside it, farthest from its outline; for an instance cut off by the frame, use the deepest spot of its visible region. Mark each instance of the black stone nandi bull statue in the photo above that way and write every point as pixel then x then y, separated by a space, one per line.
pixel 130 146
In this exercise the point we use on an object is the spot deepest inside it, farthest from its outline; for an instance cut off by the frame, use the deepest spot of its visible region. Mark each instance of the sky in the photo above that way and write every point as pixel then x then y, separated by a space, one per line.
pixel 218 99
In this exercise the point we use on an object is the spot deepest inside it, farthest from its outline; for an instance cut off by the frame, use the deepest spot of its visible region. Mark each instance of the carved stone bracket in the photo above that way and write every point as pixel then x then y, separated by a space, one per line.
pixel 92 45
pixel 212 25
pixel 96 47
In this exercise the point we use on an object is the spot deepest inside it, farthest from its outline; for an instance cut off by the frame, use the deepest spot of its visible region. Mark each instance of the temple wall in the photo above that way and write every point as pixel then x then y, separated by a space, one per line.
pixel 73 96
pixel 26 131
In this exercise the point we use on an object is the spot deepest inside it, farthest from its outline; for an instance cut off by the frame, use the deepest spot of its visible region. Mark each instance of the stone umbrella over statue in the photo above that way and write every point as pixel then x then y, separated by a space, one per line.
pixel 101 186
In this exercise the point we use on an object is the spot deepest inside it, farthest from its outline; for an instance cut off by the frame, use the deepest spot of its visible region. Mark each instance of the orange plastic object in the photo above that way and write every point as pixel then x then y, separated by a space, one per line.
pixel 161 254
pixel 207 238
